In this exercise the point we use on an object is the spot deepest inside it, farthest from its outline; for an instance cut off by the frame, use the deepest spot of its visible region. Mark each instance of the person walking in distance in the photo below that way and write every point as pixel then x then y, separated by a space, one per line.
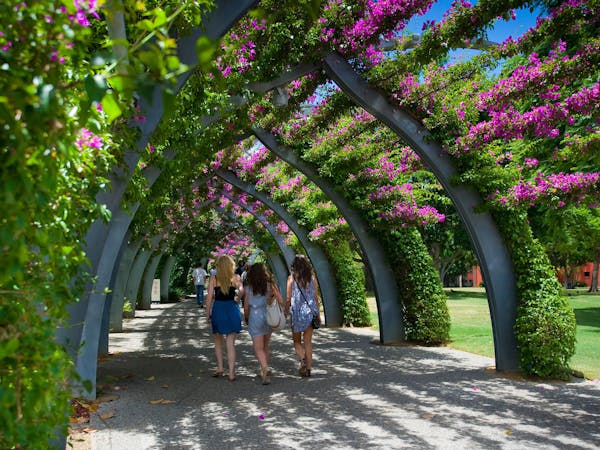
pixel 223 312
pixel 302 301
pixel 259 290
pixel 199 276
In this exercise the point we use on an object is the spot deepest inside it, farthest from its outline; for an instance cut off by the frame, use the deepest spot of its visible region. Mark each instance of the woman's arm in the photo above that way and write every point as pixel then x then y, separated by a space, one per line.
pixel 288 298
pixel 277 294
pixel 317 301
pixel 246 311
pixel 209 297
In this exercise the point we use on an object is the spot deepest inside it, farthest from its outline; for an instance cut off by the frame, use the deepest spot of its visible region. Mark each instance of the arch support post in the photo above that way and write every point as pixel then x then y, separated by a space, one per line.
pixel 165 278
pixel 488 244
pixel 149 276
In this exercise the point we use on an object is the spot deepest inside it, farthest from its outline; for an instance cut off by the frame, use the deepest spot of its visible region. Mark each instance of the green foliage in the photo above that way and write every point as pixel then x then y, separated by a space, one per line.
pixel 34 394
pixel 426 316
pixel 128 310
pixel 545 325
pixel 350 280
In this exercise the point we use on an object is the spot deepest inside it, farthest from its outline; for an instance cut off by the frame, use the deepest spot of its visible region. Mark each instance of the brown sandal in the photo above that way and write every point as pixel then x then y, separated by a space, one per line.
pixel 217 374
pixel 265 376
pixel 302 370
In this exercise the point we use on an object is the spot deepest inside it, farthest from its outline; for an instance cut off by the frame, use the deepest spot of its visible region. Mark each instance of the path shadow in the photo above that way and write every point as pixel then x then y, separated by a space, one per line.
pixel 361 395
pixel 589 317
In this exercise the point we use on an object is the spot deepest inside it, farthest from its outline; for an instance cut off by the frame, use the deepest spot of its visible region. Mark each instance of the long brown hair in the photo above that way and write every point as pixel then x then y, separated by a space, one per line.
pixel 259 278
pixel 301 270
pixel 225 270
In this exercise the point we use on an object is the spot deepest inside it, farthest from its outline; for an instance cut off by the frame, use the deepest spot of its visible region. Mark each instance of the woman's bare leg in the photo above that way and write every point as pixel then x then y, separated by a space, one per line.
pixel 230 340
pixel 219 351
pixel 308 347
pixel 297 337
pixel 259 348
pixel 267 348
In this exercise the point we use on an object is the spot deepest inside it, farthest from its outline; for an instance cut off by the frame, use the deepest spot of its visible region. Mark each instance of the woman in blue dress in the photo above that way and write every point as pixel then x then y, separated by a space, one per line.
pixel 302 300
pixel 224 313
pixel 260 290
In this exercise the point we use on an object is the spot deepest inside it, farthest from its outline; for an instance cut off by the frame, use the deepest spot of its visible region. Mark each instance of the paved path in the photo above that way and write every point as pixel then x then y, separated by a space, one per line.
pixel 360 396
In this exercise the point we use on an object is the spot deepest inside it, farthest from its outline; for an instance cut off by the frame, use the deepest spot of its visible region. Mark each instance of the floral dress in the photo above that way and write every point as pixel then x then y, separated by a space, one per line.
pixel 301 311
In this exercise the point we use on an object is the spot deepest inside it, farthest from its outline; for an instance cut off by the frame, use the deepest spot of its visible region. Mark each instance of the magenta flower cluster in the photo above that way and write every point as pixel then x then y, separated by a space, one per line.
pixel 554 185
pixel 87 139
pixel 321 230
pixel 541 121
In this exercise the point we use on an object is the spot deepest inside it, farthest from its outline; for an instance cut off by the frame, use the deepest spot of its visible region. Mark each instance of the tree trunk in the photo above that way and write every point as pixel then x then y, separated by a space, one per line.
pixel 594 283
pixel 566 282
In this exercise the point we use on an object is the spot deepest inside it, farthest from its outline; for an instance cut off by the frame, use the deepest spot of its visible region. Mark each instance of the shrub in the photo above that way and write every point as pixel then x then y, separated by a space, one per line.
pixel 350 281
pixel 426 316
pixel 545 323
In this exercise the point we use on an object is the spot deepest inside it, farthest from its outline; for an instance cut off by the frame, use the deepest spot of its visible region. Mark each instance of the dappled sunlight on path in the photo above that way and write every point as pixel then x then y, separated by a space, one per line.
pixel 360 395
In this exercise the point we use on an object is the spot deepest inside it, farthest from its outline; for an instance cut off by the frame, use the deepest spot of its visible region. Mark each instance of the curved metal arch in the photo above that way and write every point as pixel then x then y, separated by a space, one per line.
pixel 331 306
pixel 489 246
pixel 391 328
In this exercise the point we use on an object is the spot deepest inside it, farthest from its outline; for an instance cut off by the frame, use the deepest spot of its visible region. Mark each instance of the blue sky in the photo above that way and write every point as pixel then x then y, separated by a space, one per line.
pixel 500 32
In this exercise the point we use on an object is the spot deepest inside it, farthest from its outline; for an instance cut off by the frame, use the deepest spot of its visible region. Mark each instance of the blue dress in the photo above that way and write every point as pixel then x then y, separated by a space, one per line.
pixel 301 311
pixel 257 319
pixel 226 317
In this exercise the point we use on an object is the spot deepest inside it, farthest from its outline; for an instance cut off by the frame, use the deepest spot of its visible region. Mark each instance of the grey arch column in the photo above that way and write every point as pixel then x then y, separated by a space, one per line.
pixel 391 328
pixel 149 275
pixel 135 276
pixel 120 284
pixel 134 283
pixel 331 306
pixel 489 246
pixel 165 278
pixel 280 271
pixel 96 302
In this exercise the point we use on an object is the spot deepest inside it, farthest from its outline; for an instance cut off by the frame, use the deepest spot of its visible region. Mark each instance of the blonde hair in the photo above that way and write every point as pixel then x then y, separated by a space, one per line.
pixel 225 270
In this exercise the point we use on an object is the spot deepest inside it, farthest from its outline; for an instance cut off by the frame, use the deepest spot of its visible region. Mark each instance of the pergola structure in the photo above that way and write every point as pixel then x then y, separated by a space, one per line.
pixel 118 265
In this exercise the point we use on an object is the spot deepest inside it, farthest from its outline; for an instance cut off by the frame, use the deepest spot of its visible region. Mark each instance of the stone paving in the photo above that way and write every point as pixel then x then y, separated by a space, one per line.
pixel 361 395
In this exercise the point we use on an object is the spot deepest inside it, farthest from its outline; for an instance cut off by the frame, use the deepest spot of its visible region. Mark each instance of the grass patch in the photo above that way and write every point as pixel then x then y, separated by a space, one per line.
pixel 471 328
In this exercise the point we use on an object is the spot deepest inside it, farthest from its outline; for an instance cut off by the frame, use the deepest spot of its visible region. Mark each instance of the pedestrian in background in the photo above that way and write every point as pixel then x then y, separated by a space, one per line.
pixel 199 276
pixel 302 300
pixel 223 312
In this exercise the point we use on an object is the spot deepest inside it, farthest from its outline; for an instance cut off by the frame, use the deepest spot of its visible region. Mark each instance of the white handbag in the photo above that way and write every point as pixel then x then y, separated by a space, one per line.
pixel 275 316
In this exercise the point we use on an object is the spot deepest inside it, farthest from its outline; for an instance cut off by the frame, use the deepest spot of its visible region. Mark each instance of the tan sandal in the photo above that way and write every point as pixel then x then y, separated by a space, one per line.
pixel 302 370
pixel 265 376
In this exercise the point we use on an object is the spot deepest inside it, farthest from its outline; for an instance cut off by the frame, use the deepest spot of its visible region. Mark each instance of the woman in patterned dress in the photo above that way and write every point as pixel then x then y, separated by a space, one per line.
pixel 302 300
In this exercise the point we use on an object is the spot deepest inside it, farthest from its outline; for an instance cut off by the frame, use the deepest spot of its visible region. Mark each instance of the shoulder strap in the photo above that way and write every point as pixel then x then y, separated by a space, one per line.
pixel 301 293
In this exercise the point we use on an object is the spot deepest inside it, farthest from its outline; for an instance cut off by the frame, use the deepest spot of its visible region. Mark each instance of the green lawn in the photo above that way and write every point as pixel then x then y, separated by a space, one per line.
pixel 471 329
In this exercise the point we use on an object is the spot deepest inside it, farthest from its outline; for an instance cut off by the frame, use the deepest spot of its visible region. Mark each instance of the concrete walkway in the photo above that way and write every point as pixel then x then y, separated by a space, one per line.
pixel 360 395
